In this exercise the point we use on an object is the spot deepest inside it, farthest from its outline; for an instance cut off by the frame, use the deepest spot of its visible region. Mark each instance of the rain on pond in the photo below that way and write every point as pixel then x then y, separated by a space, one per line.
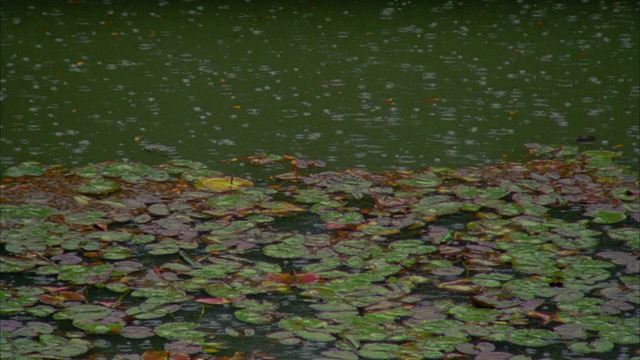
pixel 296 180
pixel 529 260
pixel 377 86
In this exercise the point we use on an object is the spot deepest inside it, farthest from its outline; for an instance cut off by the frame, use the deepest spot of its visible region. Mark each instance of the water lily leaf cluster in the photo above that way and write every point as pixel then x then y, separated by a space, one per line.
pixel 422 264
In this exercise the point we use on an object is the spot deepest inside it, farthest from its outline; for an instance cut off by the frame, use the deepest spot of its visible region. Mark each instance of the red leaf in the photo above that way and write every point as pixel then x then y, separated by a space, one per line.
pixel 61 297
pixel 108 304
pixel 54 289
pixel 293 279
pixel 333 226
pixel 156 269
pixel 51 299
pixel 70 295
pixel 155 355
pixel 307 278
pixel 100 226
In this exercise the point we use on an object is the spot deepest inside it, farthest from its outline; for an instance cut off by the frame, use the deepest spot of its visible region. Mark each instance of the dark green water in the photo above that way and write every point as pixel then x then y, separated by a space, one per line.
pixel 367 84
pixel 376 85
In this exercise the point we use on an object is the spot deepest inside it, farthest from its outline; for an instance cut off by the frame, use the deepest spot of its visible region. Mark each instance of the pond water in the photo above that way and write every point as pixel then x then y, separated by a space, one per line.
pixel 376 86
pixel 366 85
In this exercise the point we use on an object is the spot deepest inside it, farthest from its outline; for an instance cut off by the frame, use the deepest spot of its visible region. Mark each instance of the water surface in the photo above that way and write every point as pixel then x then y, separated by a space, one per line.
pixel 373 85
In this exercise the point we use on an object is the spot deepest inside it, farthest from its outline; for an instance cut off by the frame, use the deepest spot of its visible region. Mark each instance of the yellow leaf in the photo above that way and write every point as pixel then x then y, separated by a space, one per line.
pixel 222 183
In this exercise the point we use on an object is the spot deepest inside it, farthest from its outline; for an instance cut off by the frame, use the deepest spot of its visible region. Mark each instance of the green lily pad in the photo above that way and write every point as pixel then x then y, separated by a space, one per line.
pixel 379 351
pixel 608 217
pixel 286 251
pixel 13 212
pixel 296 323
pixel 628 235
pixel 597 346
pixel 98 187
pixel 180 331
pixel 56 346
pixel 159 209
pixel 475 315
pixel 28 168
pixel 83 312
pixel 533 337
pixel 311 196
pixel 105 325
pixel 86 218
pixel 413 247
pixel 14 265
pixel 254 316
pixel 32 329
pixel 153 308
pixel 335 218
pixel 79 274
pixel 466 192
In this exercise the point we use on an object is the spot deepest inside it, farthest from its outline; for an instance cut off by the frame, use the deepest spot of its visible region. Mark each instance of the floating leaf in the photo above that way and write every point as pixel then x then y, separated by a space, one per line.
pixel 373 228
pixel 28 168
pixel 179 331
pixel 597 346
pixel 379 351
pixel 222 183
pixel 298 323
pixel 293 279
pixel 532 337
pixel 508 257
pixel 159 209
pixel 286 251
pixel 60 297
pixel 213 301
pixel 608 217
pixel 136 332
pixel 279 208
pixel 98 187
pixel 626 234
pixel 335 219
pixel 312 196
pixel 155 355
pixel 105 325
pixel 254 316
pixel 83 312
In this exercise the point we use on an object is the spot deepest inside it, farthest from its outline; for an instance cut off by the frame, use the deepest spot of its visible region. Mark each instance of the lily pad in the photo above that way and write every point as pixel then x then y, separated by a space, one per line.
pixel 532 254
pixel 533 337
pixel 29 168
pixel 136 332
pixel 254 316
pixel 98 187
pixel 222 183
pixel 286 251
pixel 608 217
pixel 597 346
pixel 627 234
pixel 180 331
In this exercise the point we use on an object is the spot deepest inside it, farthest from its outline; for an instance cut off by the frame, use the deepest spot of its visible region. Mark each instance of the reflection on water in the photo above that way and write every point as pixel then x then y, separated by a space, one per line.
pixel 378 86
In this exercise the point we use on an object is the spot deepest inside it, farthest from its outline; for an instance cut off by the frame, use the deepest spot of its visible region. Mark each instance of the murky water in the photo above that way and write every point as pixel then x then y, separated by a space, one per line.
pixel 379 86
pixel 376 85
